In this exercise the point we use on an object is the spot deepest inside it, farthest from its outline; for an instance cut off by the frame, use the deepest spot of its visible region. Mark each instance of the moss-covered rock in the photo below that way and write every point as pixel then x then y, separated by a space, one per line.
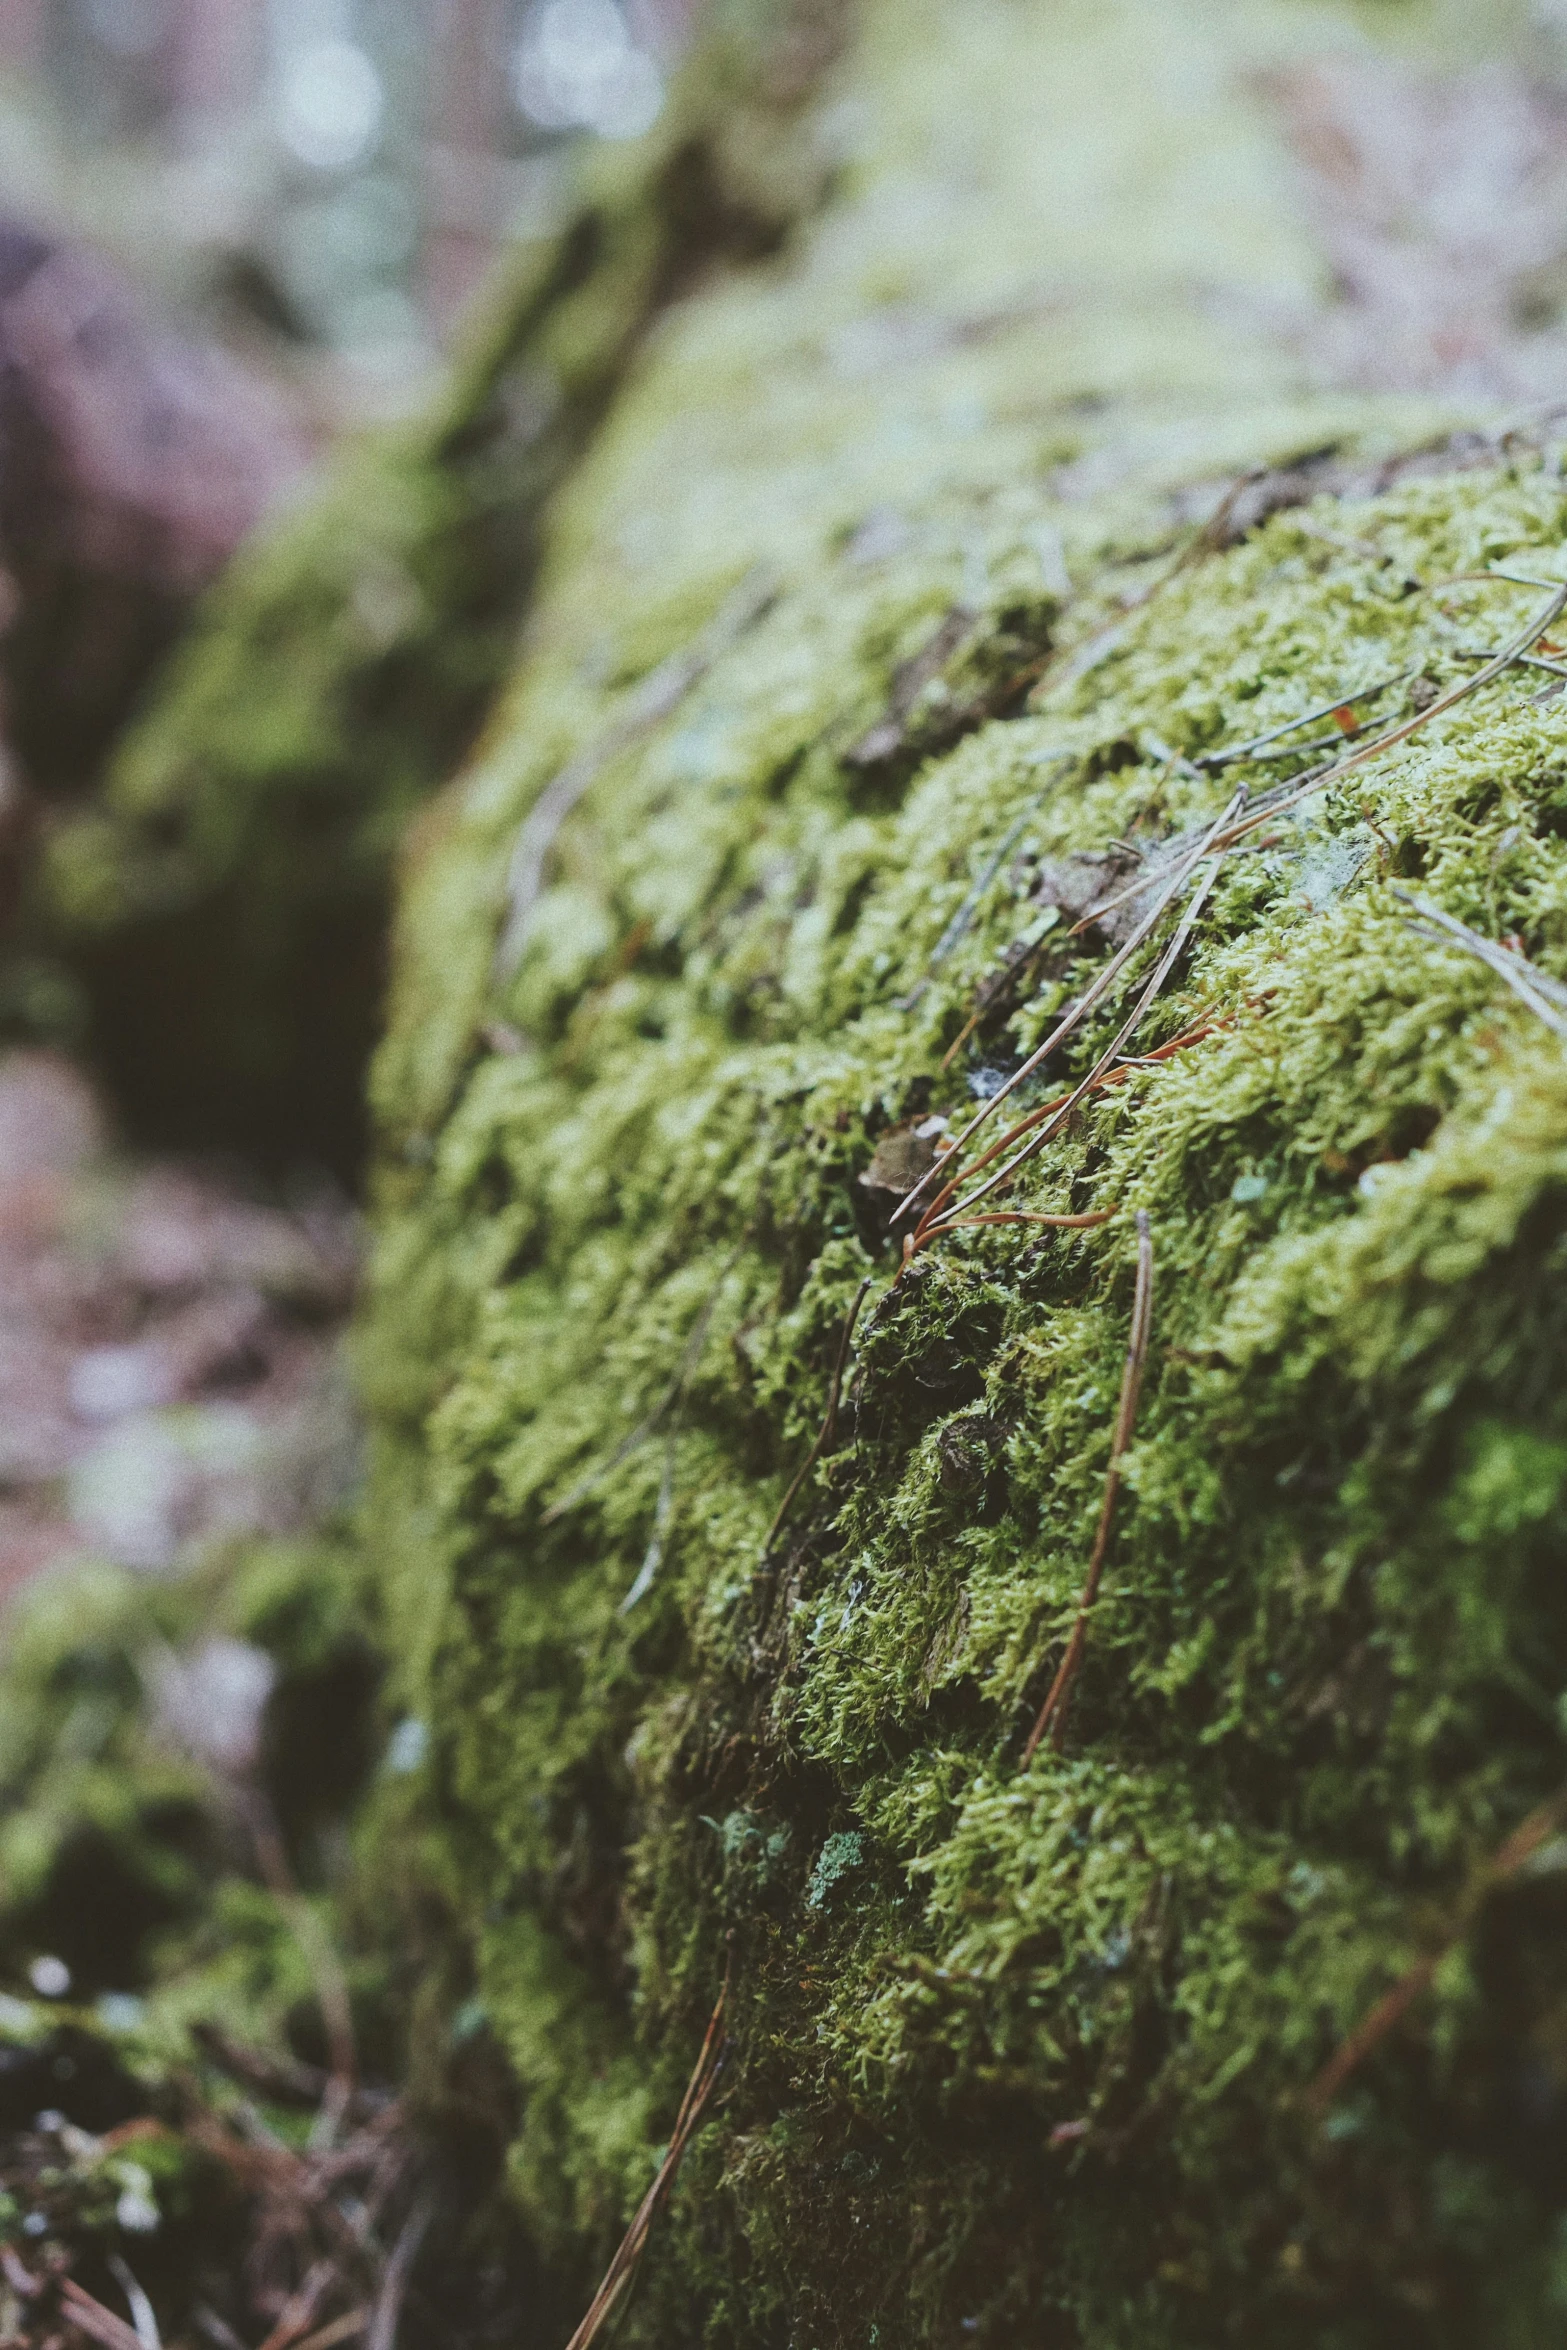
pixel 881 638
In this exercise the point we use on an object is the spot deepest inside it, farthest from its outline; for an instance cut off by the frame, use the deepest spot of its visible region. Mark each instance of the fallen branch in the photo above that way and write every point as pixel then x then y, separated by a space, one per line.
pixel 1053 1713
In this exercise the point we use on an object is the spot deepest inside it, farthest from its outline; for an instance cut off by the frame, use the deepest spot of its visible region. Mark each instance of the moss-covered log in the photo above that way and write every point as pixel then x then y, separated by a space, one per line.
pixel 916 601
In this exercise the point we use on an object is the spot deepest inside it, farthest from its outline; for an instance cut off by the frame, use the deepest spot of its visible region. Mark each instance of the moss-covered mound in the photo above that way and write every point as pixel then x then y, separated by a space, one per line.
pixel 895 625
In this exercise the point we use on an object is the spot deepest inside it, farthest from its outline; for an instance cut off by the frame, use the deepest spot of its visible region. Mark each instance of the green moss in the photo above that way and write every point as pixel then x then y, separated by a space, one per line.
pixel 1016 2054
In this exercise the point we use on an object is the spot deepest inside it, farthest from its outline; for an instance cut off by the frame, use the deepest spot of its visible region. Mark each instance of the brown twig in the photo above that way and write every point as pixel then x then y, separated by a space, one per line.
pixel 1053 1713
pixel 89 2316
pixel 298 2312
pixel 623 2267
pixel 1012 967
pixel 1032 1216
pixel 829 1426
pixel 283 2080
pixel 934 1221
pixel 1375 2026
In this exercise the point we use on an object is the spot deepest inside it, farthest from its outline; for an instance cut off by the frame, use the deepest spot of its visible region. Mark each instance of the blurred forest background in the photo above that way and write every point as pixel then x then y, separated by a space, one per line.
pixel 332 175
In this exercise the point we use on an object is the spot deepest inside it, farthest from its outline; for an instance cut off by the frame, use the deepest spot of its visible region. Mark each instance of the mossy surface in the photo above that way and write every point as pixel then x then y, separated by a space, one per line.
pixel 1017 2054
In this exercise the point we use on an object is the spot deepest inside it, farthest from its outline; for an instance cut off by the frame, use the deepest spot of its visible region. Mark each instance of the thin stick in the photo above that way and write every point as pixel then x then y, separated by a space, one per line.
pixel 299 2310
pixel 143 2316
pixel 1013 965
pixel 1030 1216
pixel 1375 2026
pixel 1184 867
pixel 623 2267
pixel 341 2329
pixel 1525 660
pixel 1288 795
pixel 1053 1713
pixel 21 2280
pixel 1546 997
pixel 931 1223
pixel 829 1426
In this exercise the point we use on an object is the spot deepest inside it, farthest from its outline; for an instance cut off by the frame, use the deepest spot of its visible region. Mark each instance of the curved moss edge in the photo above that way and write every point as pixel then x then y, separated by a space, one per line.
pixel 1027 2047
pixel 221 908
